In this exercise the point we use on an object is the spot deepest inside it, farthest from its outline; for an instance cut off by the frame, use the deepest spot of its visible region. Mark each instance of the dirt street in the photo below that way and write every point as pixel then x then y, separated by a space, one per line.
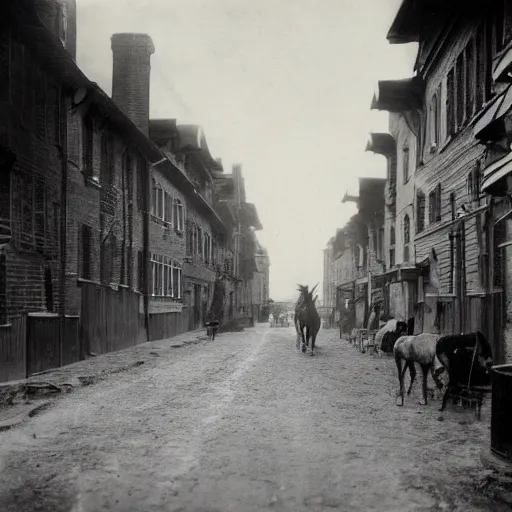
pixel 245 423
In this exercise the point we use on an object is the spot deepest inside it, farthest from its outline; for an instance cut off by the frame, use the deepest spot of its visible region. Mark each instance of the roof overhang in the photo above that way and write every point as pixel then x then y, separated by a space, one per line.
pixel 490 123
pixel 382 144
pixel 497 175
pixel 249 216
pixel 502 65
pixel 406 25
pixel 399 95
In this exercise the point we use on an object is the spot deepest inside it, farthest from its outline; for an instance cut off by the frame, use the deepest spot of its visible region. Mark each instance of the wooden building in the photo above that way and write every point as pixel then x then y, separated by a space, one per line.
pixel 432 121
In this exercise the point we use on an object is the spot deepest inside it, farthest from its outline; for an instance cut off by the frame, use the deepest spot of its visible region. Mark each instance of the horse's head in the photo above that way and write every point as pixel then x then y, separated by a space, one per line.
pixel 401 328
pixel 484 351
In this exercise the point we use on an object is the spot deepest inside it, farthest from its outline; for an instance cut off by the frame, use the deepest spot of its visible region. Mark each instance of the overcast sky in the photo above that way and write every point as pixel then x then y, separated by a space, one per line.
pixel 281 86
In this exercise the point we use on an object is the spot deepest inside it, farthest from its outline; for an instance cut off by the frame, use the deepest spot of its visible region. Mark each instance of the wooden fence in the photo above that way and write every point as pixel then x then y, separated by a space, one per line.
pixel 12 349
pixel 110 319
pixel 45 348
pixel 167 325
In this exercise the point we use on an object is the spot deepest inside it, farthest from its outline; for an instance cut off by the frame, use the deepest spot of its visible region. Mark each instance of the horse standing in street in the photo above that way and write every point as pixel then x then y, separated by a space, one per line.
pixel 419 349
pixel 306 317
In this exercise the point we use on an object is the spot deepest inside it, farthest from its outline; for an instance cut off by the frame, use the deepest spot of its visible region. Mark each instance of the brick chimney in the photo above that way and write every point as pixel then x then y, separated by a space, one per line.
pixel 131 76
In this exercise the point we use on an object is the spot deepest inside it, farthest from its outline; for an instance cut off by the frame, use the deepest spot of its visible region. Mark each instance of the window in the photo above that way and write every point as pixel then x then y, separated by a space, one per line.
pixel 473 184
pixel 106 171
pixel 380 245
pixel 199 242
pixel 166 277
pixel 128 173
pixel 459 96
pixel 391 257
pixel 190 238
pixel 405 164
pixel 435 118
pixel 407 237
pixel 167 214
pixel 450 102
pixel 87 146
pixel 420 211
pixel 179 215
pixel 470 79
pixel 392 237
pixel 434 205
pixel 453 206
pixel 85 270
pixel 481 67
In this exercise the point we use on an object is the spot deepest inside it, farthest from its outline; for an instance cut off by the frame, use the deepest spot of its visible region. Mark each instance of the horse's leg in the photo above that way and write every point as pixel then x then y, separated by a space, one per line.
pixel 303 338
pixel 412 374
pixel 424 370
pixel 446 396
pixel 308 335
pixel 435 377
pixel 398 362
pixel 313 340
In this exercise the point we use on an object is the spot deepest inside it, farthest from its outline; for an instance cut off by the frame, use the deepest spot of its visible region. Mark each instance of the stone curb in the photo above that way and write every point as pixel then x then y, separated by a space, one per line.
pixel 45 382
pixel 20 414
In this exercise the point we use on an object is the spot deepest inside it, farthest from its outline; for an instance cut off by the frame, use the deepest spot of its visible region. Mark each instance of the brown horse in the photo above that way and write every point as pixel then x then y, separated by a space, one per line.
pixel 306 317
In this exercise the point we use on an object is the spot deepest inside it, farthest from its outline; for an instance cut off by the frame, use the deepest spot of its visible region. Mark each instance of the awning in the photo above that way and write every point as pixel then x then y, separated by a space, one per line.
pixel 381 144
pixel 249 216
pixel 495 110
pixel 492 182
pixel 502 64
pixel 398 95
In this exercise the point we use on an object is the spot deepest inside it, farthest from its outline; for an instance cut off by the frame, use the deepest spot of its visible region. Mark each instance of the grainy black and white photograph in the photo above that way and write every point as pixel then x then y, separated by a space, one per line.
pixel 255 256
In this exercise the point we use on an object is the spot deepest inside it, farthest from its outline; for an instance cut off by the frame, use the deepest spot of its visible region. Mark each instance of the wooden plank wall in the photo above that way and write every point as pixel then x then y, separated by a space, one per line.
pixel 167 325
pixel 110 319
pixel 43 335
pixel 12 349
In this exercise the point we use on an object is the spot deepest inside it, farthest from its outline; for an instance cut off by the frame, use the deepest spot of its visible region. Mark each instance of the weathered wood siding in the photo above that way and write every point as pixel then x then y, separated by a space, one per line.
pixel 167 325
pixel 13 338
pixel 449 164
pixel 110 319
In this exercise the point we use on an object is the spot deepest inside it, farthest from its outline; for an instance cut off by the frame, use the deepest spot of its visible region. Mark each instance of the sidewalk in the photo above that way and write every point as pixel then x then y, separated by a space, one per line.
pixel 89 371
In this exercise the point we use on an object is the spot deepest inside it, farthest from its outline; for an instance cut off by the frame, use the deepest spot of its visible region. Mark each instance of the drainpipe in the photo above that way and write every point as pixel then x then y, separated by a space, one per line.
pixel 63 128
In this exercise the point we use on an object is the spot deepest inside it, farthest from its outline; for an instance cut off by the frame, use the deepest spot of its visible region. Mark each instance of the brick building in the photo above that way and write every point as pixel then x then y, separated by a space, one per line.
pixel 94 200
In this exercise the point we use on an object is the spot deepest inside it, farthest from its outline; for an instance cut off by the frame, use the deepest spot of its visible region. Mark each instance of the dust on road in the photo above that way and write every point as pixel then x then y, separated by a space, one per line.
pixel 245 423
